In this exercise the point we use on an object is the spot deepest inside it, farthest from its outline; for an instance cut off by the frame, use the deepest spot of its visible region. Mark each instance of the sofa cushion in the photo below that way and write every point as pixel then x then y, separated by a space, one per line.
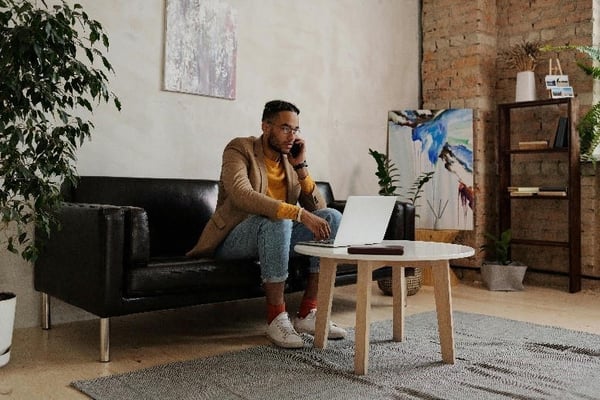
pixel 181 274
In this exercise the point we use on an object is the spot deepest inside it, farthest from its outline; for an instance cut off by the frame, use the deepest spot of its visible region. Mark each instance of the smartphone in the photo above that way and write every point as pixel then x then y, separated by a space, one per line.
pixel 295 150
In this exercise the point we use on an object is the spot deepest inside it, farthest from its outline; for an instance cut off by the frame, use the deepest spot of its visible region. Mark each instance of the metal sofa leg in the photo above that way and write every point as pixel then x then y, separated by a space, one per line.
pixel 104 339
pixel 46 322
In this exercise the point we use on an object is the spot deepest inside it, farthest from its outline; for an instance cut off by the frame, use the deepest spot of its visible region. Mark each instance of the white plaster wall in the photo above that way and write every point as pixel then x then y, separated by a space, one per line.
pixel 344 63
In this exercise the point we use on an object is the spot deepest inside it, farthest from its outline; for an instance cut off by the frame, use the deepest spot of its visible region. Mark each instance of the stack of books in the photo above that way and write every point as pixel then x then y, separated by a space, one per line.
pixel 525 191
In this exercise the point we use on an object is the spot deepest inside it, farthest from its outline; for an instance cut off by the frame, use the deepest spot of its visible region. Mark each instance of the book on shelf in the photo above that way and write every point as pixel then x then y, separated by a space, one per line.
pixel 524 191
pixel 538 194
pixel 562 133
pixel 561 193
pixel 553 188
pixel 533 145
pixel 522 194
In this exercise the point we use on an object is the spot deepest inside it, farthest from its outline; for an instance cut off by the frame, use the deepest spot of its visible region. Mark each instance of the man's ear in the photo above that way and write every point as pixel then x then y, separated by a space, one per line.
pixel 265 126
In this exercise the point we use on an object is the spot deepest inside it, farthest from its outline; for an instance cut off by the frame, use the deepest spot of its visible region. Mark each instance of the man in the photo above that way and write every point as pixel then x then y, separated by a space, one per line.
pixel 258 215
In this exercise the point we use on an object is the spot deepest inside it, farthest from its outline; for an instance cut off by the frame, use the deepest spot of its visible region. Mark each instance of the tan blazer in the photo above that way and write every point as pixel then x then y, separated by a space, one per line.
pixel 242 192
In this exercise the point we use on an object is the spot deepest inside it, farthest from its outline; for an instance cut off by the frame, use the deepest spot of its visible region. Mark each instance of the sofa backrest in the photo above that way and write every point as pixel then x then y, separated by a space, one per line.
pixel 326 191
pixel 178 209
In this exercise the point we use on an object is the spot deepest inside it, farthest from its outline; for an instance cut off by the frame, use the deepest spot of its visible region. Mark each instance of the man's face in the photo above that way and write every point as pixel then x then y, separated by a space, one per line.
pixel 281 131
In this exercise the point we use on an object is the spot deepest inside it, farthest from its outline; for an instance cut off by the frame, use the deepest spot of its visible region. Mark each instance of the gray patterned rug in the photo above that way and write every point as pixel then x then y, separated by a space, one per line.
pixel 496 359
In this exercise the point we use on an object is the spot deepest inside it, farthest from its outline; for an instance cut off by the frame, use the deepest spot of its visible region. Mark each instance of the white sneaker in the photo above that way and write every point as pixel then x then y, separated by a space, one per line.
pixel 307 325
pixel 281 332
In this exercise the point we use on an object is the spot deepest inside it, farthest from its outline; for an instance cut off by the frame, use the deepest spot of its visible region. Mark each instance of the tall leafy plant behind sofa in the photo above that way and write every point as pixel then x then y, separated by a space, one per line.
pixel 52 68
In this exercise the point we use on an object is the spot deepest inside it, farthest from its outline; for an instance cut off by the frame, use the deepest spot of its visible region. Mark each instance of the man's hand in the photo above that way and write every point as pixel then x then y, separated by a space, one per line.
pixel 301 156
pixel 317 225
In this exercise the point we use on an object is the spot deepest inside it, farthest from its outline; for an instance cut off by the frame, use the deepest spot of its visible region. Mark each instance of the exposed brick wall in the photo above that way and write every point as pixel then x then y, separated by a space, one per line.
pixel 462 67
pixel 459 52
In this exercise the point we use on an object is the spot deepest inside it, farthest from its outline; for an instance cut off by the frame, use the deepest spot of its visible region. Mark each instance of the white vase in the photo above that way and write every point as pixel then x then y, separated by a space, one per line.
pixel 525 86
pixel 7 321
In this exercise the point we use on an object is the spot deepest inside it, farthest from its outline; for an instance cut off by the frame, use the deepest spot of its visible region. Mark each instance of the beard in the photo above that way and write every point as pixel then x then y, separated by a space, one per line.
pixel 273 146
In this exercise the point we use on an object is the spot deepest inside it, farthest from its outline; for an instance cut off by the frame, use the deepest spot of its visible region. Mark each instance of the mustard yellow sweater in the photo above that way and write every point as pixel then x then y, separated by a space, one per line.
pixel 277 189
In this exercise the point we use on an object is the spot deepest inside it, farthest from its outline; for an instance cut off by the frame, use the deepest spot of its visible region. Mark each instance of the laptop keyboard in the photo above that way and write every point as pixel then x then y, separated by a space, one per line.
pixel 323 241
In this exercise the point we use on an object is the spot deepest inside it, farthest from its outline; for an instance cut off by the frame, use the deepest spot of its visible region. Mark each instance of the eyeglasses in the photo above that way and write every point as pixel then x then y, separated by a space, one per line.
pixel 285 128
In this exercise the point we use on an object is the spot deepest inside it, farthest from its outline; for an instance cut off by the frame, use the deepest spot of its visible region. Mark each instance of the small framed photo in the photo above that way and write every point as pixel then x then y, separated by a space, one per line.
pixel 554 81
pixel 560 92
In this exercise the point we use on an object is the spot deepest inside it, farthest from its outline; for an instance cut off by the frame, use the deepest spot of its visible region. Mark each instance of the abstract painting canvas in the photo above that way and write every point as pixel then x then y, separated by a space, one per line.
pixel 200 48
pixel 438 141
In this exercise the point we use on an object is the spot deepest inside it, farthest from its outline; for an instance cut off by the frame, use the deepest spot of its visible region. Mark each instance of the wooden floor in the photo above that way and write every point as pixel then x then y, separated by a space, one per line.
pixel 43 363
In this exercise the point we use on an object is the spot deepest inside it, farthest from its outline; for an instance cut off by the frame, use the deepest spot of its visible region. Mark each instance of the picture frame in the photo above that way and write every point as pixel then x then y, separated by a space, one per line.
pixel 553 81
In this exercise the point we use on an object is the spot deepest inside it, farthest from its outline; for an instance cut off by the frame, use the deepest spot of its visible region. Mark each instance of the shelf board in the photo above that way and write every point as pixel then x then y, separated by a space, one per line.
pixel 532 242
pixel 535 103
pixel 537 151
pixel 540 197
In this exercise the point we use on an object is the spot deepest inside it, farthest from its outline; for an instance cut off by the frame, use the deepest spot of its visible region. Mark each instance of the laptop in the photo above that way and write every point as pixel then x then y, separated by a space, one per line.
pixel 364 222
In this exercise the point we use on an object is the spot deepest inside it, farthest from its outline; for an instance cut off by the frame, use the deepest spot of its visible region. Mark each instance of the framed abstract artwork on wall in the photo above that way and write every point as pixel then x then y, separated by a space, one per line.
pixel 438 141
pixel 200 48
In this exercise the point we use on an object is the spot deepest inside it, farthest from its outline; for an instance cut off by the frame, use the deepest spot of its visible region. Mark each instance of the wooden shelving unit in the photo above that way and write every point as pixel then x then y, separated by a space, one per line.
pixel 510 132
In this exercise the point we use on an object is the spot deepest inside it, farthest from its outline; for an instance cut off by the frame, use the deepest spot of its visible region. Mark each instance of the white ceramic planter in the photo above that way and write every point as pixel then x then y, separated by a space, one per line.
pixel 503 277
pixel 525 90
pixel 7 321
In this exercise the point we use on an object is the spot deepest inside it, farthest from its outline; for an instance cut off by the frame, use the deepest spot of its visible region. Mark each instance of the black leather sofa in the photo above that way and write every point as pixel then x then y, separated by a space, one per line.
pixel 121 246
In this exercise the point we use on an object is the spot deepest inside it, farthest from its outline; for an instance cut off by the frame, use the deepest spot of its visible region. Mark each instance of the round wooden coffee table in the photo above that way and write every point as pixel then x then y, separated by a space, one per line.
pixel 419 254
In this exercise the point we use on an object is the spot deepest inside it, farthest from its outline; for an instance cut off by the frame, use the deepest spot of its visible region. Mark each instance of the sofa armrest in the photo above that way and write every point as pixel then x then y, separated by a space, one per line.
pixel 338 205
pixel 137 236
pixel 82 263
pixel 402 222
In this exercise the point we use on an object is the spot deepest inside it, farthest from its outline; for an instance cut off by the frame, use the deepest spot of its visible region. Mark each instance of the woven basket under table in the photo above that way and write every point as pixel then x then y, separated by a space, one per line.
pixel 413 283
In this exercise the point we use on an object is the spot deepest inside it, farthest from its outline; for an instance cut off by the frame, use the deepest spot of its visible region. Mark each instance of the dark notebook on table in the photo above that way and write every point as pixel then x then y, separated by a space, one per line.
pixel 384 249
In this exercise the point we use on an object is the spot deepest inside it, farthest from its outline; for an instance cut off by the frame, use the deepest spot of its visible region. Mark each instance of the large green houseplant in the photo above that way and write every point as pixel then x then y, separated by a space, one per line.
pixel 49 82
pixel 589 125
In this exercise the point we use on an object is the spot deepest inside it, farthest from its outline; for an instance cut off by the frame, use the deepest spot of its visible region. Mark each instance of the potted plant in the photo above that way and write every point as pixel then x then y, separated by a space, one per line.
pixel 588 127
pixel 387 175
pixel 45 91
pixel 502 273
pixel 523 57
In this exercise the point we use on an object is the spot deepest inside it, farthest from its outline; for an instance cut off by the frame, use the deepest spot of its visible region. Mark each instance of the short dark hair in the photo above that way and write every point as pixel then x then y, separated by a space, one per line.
pixel 273 107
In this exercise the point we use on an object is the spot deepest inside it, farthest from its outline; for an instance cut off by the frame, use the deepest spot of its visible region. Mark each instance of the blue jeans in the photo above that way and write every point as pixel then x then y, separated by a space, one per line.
pixel 272 241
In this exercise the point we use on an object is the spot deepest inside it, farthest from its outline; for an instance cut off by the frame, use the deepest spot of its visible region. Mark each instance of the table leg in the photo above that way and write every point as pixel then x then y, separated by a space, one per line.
pixel 324 297
pixel 443 305
pixel 363 317
pixel 399 294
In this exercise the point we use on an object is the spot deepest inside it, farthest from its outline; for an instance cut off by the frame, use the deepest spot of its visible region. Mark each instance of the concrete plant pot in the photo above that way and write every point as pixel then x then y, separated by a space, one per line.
pixel 8 304
pixel 503 277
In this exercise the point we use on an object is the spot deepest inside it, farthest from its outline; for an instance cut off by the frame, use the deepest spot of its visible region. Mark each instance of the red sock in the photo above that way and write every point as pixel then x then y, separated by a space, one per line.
pixel 273 310
pixel 306 305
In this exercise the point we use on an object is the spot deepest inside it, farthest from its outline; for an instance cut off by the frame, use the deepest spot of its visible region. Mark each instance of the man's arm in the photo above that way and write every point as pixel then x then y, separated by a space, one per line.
pixel 242 180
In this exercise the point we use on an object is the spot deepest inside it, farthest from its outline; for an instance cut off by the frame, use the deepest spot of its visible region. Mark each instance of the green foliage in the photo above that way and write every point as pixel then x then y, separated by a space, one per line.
pixel 589 132
pixel 498 247
pixel 589 126
pixel 44 87
pixel 387 174
pixel 417 187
